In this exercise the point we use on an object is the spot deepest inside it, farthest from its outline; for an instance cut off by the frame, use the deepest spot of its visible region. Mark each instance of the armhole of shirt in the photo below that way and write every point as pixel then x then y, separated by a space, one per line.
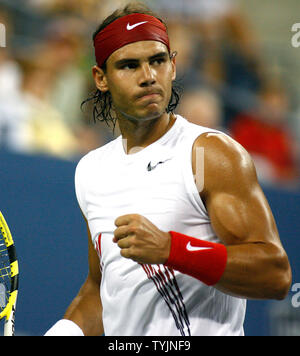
pixel 79 189
pixel 192 188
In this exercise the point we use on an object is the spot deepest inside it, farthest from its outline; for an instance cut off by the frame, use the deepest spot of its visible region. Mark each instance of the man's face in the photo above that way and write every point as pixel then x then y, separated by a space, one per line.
pixel 139 77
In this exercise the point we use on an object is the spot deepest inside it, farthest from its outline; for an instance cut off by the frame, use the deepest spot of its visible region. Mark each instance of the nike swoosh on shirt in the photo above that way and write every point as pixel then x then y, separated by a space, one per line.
pixel 189 247
pixel 131 27
pixel 151 168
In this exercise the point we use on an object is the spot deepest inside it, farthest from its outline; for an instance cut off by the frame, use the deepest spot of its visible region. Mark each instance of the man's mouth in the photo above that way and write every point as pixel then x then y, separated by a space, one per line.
pixel 149 95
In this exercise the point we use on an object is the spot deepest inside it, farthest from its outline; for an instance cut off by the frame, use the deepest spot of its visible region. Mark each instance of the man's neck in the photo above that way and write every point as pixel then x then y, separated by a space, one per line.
pixel 138 134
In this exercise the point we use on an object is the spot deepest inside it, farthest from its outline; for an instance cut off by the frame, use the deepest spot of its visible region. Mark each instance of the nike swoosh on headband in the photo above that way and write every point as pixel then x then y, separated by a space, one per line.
pixel 189 247
pixel 131 27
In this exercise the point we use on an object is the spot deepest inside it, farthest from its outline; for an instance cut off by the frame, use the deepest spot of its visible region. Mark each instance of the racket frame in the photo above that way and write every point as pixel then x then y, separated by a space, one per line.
pixel 9 310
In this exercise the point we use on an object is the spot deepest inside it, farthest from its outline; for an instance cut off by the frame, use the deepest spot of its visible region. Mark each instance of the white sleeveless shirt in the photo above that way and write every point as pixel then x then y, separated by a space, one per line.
pixel 158 183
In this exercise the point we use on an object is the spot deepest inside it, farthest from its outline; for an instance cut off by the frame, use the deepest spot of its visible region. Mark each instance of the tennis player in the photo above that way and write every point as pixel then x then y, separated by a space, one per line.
pixel 180 233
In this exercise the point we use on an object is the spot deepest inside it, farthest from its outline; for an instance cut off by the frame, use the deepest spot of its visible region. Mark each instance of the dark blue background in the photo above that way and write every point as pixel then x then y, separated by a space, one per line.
pixel 38 200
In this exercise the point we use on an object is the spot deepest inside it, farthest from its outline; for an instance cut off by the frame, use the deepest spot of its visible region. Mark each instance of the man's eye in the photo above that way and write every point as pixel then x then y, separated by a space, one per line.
pixel 129 66
pixel 158 61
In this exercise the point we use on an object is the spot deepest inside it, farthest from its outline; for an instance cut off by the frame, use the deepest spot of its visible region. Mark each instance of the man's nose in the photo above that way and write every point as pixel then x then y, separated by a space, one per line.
pixel 147 75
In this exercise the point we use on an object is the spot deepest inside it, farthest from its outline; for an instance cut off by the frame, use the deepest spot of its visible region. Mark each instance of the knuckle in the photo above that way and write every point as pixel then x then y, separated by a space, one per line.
pixel 133 254
pixel 120 232
pixel 137 217
pixel 128 253
pixel 124 243
pixel 133 241
pixel 133 229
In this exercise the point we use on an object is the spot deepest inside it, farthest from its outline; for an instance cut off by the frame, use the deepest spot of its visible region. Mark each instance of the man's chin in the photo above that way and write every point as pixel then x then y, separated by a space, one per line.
pixel 144 116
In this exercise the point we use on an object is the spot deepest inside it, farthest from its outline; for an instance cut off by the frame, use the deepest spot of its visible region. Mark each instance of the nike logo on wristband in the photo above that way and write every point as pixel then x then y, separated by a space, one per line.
pixel 131 27
pixel 191 248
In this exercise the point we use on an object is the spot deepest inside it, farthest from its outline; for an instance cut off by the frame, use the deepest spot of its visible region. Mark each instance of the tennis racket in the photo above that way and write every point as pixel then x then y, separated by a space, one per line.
pixel 9 278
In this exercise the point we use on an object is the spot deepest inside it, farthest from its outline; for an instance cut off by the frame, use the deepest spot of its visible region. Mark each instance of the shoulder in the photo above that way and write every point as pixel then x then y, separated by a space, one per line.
pixel 226 162
pixel 220 146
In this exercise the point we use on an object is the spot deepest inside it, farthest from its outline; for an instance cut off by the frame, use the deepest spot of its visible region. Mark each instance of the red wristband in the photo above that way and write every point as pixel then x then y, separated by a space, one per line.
pixel 200 259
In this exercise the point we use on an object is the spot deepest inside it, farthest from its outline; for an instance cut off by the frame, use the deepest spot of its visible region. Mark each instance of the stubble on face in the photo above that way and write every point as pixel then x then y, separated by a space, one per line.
pixel 140 78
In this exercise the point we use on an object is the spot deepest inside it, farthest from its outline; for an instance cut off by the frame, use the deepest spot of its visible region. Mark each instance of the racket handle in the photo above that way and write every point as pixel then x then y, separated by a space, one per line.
pixel 9 326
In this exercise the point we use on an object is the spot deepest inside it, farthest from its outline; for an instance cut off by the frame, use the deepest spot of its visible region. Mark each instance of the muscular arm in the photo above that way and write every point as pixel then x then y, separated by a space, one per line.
pixel 86 308
pixel 257 265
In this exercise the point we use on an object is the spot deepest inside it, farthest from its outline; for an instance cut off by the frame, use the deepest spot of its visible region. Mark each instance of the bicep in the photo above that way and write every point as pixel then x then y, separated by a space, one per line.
pixel 257 265
pixel 242 217
pixel 236 204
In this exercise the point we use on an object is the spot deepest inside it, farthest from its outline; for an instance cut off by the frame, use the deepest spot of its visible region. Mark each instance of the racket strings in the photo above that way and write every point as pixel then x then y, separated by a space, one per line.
pixel 5 273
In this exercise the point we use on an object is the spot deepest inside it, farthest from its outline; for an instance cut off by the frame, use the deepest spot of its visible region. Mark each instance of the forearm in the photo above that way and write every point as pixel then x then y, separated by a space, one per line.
pixel 255 271
pixel 86 311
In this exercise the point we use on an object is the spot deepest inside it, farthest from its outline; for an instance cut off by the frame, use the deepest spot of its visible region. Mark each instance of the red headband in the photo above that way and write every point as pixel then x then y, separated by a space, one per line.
pixel 128 29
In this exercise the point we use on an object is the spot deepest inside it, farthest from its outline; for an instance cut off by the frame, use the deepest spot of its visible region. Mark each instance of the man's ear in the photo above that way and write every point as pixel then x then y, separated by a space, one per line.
pixel 100 79
pixel 173 62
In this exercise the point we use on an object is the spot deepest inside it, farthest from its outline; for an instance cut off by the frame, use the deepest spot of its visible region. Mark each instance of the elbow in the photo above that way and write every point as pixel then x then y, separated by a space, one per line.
pixel 282 279
pixel 285 285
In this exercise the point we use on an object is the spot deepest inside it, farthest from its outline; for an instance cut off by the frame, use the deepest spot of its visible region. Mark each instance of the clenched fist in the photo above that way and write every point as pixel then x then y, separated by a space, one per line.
pixel 140 240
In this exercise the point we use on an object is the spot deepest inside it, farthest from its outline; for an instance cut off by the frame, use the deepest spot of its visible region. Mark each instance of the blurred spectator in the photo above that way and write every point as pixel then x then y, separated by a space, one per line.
pixel 28 122
pixel 67 50
pixel 220 47
pixel 183 42
pixel 265 135
pixel 46 131
pixel 108 6
pixel 217 48
pixel 220 29
pixel 202 107
pixel 54 78
pixel 91 10
pixel 11 116
pixel 63 49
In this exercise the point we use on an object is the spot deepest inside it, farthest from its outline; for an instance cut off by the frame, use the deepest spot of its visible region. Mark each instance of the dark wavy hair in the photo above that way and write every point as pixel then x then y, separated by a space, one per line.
pixel 102 101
